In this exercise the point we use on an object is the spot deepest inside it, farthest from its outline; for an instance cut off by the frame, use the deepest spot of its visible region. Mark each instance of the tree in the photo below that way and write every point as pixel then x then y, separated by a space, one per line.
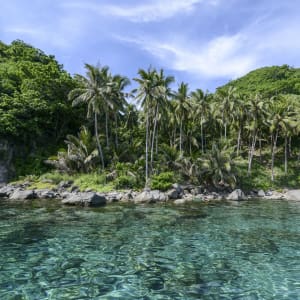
pixel 182 109
pixel 92 91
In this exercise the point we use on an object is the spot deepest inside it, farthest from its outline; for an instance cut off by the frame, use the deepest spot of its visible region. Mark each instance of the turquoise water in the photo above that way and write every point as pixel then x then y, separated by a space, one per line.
pixel 249 250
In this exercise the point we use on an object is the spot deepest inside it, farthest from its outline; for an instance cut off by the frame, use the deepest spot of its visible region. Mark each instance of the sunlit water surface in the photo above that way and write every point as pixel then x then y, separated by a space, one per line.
pixel 249 250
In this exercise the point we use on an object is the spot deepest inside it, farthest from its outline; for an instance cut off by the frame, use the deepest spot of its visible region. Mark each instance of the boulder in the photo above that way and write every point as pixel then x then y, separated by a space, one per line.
pixel 114 197
pixel 173 194
pixel 6 191
pixel 22 195
pixel 293 195
pixel 85 199
pixel 236 195
pixel 178 188
pixel 261 193
pixel 150 197
pixel 45 194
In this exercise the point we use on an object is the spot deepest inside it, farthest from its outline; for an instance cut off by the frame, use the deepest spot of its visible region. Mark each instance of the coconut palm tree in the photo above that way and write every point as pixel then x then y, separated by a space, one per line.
pixel 92 91
pixel 146 94
pixel 182 109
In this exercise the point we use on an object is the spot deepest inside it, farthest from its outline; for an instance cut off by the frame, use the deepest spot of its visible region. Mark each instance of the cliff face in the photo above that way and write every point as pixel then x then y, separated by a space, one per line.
pixel 6 155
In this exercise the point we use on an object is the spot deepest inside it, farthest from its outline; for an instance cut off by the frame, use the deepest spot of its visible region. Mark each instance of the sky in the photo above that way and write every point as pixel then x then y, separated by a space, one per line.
pixel 205 43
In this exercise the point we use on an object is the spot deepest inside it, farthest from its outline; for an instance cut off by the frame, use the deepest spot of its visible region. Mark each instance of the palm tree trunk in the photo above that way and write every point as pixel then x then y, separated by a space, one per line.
pixel 273 154
pixel 202 137
pixel 238 141
pixel 180 138
pixel 153 137
pixel 146 150
pixel 251 152
pixel 106 129
pixel 98 141
pixel 116 133
pixel 285 154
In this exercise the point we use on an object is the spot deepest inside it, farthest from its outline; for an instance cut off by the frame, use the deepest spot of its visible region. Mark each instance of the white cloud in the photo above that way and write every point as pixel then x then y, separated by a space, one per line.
pixel 154 10
pixel 218 58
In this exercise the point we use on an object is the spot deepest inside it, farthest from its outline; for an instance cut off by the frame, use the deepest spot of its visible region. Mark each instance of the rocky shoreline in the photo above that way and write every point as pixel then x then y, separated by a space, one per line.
pixel 178 194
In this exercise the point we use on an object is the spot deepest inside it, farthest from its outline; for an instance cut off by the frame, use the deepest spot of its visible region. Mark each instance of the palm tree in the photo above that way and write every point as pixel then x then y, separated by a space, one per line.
pixel 92 90
pixel 226 99
pixel 182 109
pixel 256 109
pixel 201 108
pixel 146 95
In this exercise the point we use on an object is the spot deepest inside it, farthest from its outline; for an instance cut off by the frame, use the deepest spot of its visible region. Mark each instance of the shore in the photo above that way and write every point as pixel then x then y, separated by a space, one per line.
pixel 178 194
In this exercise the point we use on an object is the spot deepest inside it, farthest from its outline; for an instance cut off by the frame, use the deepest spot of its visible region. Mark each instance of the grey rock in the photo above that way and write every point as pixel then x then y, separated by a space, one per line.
pixel 114 197
pixel 269 193
pixel 85 199
pixel 6 191
pixel 150 197
pixel 261 193
pixel 293 195
pixel 173 194
pixel 236 195
pixel 22 195
pixel 178 188
pixel 45 194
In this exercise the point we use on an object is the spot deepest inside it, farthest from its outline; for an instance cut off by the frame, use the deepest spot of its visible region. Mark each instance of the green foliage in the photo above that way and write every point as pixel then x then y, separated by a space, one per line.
pixel 163 181
pixel 125 182
pixel 269 81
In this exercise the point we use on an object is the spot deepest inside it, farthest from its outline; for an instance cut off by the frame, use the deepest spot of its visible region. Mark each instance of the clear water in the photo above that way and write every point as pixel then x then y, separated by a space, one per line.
pixel 249 250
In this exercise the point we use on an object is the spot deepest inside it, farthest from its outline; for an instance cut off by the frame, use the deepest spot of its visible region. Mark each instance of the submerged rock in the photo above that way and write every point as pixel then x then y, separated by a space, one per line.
pixel 236 195
pixel 85 199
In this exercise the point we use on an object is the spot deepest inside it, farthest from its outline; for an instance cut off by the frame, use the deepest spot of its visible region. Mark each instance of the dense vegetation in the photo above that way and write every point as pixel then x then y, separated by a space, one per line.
pixel 245 134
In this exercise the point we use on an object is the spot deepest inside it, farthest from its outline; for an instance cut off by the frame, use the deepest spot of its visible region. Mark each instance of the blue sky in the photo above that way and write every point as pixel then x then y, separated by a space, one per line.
pixel 203 42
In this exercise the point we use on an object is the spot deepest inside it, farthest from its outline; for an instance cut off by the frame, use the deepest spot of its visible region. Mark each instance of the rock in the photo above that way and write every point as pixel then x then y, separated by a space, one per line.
pixel 65 184
pixel 74 188
pixel 293 195
pixel 85 199
pixel 178 188
pixel 150 197
pixel 269 193
pixel 6 191
pixel 114 197
pixel 180 201
pixel 22 195
pixel 236 195
pixel 173 194
pixel 261 193
pixel 127 196
pixel 45 194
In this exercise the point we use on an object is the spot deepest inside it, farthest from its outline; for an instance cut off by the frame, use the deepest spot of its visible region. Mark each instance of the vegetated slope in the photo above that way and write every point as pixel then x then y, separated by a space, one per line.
pixel 269 81
pixel 33 95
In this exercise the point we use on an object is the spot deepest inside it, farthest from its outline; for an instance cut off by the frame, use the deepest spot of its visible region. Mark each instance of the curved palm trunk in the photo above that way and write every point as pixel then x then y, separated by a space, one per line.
pixel 146 150
pixel 153 137
pixel 98 141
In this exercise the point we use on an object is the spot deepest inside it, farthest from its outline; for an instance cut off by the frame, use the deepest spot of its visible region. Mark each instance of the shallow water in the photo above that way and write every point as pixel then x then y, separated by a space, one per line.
pixel 249 250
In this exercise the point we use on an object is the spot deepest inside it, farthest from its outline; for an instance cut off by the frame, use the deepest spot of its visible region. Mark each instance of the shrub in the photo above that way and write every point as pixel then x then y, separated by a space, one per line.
pixel 162 181
pixel 125 182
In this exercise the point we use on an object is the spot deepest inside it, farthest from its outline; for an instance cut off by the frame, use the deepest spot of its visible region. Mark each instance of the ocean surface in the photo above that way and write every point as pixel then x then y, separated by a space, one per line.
pixel 246 250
